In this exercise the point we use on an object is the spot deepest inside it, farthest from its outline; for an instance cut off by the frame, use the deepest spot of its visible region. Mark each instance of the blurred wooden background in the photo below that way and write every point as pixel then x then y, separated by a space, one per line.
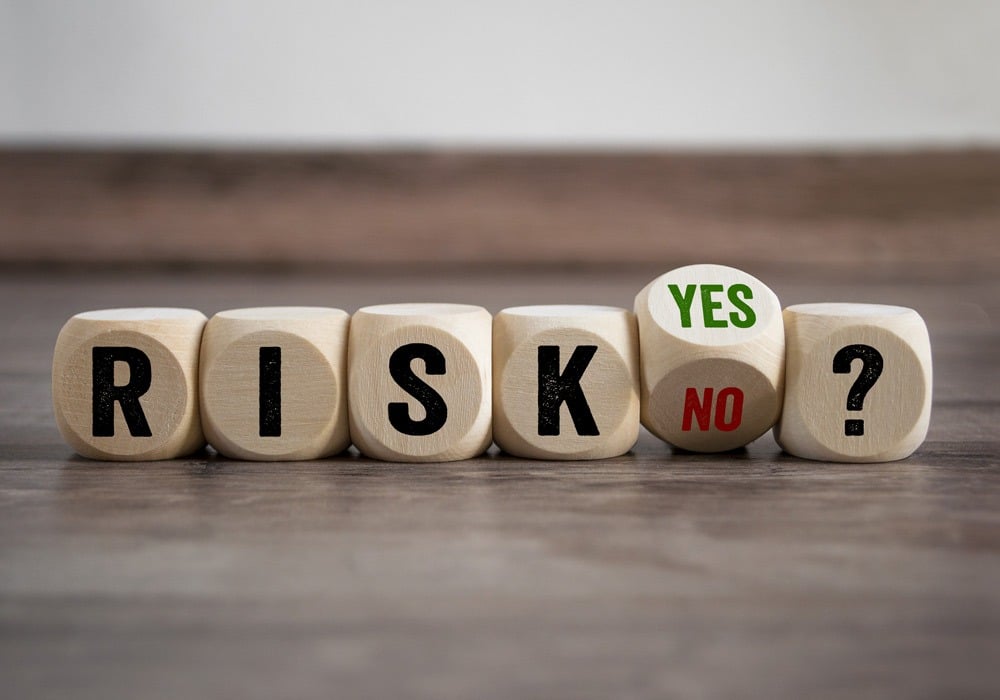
pixel 657 574
pixel 370 208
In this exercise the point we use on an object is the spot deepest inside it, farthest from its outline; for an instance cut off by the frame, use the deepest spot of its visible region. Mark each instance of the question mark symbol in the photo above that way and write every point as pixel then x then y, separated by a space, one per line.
pixel 870 371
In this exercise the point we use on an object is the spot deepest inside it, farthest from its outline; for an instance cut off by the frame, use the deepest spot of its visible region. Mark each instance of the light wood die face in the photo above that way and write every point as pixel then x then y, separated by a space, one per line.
pixel 125 383
pixel 274 383
pixel 565 382
pixel 420 385
pixel 858 382
pixel 712 356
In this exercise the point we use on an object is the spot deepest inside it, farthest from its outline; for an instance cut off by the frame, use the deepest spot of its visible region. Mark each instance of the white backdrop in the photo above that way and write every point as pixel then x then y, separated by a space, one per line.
pixel 672 73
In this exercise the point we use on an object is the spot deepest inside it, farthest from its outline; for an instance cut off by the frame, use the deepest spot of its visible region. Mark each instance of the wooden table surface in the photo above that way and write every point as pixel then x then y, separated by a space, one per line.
pixel 658 574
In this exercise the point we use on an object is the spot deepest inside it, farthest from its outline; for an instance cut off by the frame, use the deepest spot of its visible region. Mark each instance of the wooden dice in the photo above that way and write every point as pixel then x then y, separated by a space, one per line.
pixel 858 382
pixel 274 383
pixel 565 381
pixel 420 381
pixel 125 383
pixel 702 363
pixel 712 351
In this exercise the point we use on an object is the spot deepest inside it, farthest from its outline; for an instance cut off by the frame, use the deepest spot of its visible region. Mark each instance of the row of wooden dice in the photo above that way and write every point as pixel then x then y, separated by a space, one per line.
pixel 707 362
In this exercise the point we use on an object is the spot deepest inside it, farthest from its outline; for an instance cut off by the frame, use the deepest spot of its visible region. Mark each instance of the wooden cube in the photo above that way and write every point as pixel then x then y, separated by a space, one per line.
pixel 565 381
pixel 712 352
pixel 419 382
pixel 274 383
pixel 857 384
pixel 125 383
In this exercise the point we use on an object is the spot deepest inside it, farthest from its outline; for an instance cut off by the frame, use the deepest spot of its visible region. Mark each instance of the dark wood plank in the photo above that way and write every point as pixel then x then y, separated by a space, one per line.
pixel 750 574
pixel 453 207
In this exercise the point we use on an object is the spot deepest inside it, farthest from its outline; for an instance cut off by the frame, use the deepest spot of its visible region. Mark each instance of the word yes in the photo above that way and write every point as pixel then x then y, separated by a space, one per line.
pixel 737 295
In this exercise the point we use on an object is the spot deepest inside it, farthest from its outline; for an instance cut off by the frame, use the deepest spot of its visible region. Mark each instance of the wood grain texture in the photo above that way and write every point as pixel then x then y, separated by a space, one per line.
pixel 273 382
pixel 460 207
pixel 878 408
pixel 659 573
pixel 712 344
pixel 438 390
pixel 103 365
pixel 582 402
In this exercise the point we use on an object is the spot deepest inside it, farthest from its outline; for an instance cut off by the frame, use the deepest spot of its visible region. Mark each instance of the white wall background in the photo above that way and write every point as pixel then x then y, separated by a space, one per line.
pixel 673 73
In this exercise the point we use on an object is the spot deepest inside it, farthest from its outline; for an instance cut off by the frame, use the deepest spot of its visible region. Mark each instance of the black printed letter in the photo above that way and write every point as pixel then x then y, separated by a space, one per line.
pixel 555 388
pixel 434 405
pixel 269 396
pixel 105 393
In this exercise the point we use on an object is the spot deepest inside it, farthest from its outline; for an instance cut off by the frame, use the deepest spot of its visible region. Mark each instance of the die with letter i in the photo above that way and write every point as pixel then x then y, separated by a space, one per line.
pixel 274 382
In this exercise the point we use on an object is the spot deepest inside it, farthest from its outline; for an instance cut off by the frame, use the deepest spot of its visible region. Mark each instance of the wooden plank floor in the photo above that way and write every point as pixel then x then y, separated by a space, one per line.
pixel 751 574
pixel 373 207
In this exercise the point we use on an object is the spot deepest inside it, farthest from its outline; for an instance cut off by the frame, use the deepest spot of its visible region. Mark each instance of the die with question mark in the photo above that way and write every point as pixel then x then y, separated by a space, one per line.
pixel 857 382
